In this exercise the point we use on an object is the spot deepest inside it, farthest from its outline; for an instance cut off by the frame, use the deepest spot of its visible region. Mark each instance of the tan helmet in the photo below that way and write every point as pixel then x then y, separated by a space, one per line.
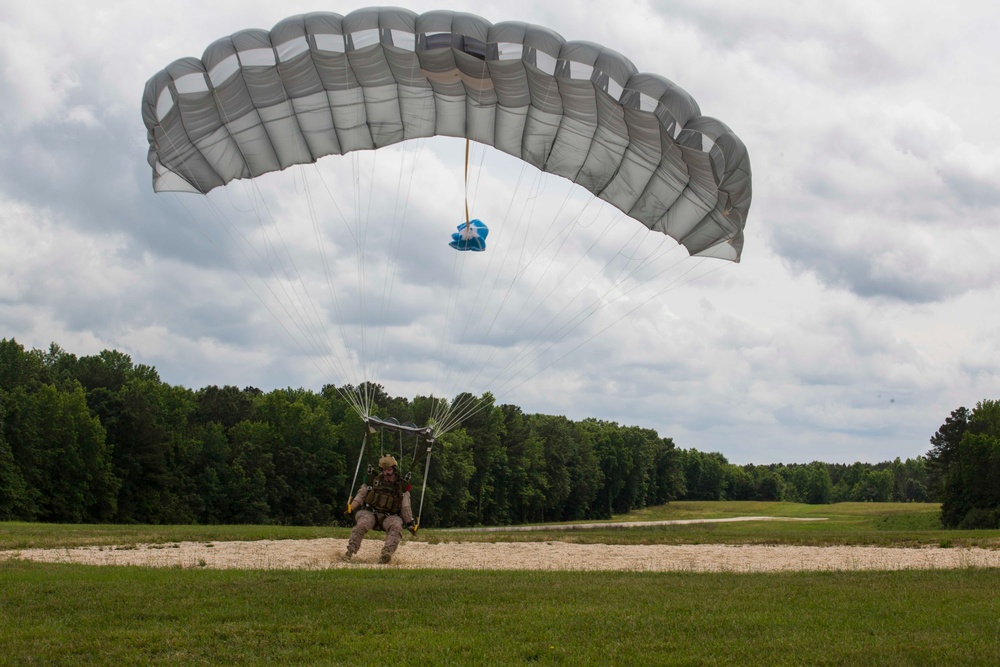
pixel 387 461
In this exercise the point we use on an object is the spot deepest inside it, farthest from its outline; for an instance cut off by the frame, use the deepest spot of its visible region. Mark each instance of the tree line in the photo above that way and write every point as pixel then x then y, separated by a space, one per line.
pixel 102 439
pixel 964 466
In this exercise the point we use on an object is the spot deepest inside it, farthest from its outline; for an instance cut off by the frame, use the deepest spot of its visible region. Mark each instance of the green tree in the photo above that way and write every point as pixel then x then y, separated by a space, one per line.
pixel 60 450
pixel 491 467
pixel 226 405
pixel 19 367
pixel 526 461
pixel 704 475
pixel 615 463
pixel 668 481
pixel 740 483
pixel 448 496
pixel 971 496
pixel 944 447
pixel 818 488
pixel 972 490
pixel 13 503
pixel 770 486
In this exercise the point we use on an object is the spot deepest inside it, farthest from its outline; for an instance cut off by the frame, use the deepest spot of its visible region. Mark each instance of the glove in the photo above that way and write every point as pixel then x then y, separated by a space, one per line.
pixel 412 527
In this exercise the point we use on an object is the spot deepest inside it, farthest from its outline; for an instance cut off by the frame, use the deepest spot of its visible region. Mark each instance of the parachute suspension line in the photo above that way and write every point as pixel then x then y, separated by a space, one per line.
pixel 596 305
pixel 341 371
pixel 373 308
pixel 456 284
pixel 268 243
pixel 423 490
pixel 362 213
pixel 513 362
pixel 558 334
pixel 555 336
pixel 411 150
pixel 353 397
pixel 334 360
pixel 564 235
pixel 439 411
pixel 361 457
pixel 228 228
pixel 466 402
pixel 360 396
pixel 296 293
pixel 271 254
pixel 479 311
pixel 399 218
pixel 308 330
pixel 321 251
pixel 366 353
pixel 671 286
pixel 477 369
pixel 361 388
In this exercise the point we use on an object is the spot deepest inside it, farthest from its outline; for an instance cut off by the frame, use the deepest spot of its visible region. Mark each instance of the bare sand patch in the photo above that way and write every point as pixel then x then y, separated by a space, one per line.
pixel 319 554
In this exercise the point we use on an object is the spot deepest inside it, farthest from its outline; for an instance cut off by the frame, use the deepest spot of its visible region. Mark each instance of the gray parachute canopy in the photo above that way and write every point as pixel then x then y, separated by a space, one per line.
pixel 323 84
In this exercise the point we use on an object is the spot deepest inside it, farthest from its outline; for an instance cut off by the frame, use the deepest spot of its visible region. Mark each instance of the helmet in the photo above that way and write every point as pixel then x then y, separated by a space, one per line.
pixel 387 461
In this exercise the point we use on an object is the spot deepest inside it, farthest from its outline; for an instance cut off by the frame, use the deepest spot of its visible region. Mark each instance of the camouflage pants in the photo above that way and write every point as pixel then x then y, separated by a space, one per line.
pixel 366 520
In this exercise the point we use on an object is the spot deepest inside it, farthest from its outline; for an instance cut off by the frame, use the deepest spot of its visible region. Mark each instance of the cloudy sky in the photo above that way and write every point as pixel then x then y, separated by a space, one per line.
pixel 864 310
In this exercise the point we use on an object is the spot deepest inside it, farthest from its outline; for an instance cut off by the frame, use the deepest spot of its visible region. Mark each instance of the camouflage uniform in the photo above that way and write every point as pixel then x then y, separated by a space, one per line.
pixel 380 515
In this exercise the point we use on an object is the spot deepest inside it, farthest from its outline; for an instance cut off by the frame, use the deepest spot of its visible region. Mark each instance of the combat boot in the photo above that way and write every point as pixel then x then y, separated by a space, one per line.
pixel 347 556
pixel 385 557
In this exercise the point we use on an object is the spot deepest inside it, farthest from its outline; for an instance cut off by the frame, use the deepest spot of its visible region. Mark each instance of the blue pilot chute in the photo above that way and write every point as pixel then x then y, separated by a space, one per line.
pixel 470 236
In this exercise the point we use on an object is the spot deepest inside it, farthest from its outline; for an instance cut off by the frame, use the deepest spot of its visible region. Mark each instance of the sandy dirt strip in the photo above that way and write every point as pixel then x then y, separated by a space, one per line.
pixel 317 554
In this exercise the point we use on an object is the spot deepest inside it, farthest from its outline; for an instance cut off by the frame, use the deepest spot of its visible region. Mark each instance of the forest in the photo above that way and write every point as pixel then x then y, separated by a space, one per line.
pixel 100 438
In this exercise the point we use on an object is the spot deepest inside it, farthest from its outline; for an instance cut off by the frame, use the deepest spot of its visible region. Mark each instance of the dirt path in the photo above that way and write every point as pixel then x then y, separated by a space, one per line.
pixel 320 554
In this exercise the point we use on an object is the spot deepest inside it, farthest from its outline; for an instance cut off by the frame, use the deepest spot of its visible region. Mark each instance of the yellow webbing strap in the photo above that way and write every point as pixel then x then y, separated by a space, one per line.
pixel 467 218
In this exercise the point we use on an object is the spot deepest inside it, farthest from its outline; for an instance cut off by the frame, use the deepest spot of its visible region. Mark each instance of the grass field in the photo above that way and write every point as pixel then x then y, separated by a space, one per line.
pixel 870 524
pixel 75 614
pixel 876 524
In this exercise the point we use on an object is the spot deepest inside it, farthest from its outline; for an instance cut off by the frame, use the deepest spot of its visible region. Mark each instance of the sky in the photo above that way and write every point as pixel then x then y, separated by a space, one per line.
pixel 864 309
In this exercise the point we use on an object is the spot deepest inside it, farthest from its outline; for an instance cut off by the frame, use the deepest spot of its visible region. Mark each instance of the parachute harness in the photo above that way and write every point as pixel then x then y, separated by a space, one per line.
pixel 426 433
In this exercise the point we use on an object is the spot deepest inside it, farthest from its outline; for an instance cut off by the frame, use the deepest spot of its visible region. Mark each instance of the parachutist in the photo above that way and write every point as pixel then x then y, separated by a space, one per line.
pixel 385 505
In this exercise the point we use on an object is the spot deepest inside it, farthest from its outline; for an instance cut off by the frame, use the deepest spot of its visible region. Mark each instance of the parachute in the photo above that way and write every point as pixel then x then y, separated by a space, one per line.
pixel 322 84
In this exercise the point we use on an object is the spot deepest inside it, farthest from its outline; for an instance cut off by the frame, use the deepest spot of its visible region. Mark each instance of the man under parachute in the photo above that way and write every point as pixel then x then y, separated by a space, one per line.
pixel 384 504
pixel 383 500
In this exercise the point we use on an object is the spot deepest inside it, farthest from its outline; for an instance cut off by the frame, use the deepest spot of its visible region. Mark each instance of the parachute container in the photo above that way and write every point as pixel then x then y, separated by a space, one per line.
pixel 471 236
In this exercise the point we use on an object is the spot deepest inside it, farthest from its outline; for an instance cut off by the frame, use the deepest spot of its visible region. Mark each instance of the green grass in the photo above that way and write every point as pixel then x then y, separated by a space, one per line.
pixel 19 535
pixel 57 614
pixel 873 524
pixel 70 614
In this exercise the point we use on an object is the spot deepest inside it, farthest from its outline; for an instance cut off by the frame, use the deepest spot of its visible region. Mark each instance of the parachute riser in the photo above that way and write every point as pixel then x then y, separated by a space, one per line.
pixel 423 489
pixel 361 456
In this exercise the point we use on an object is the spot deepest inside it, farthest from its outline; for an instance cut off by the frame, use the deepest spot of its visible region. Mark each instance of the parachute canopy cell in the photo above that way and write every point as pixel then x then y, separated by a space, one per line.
pixel 323 84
